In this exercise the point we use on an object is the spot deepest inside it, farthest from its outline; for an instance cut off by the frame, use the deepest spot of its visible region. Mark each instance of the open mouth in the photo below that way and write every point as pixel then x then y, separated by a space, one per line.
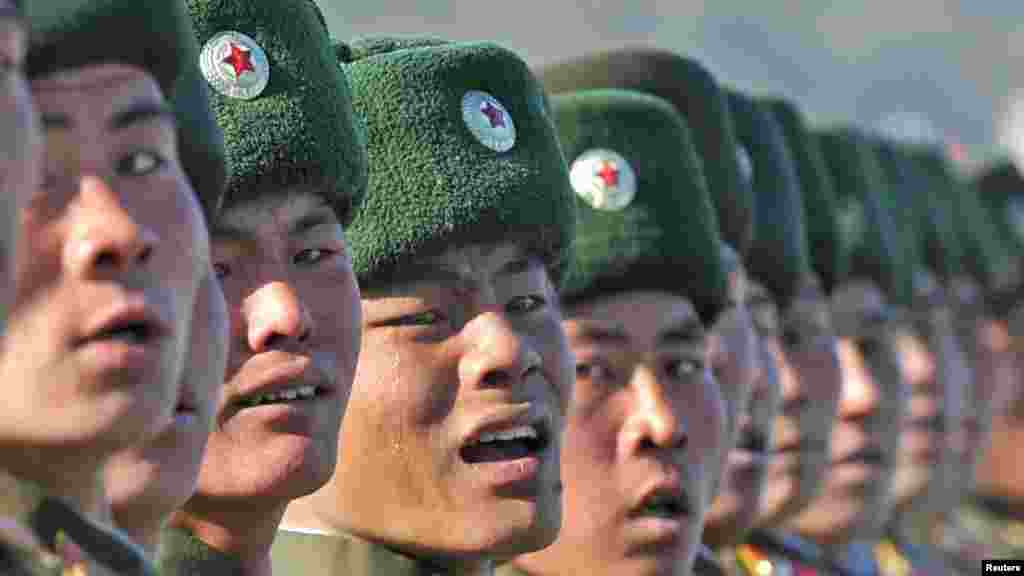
pixel 509 444
pixel 288 395
pixel 664 504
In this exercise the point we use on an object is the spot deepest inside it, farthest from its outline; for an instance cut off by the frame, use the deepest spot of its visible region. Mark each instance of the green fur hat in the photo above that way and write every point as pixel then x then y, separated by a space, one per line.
pixel 282 102
pixel 999 195
pixel 644 220
pixel 865 213
pixel 778 252
pixel 155 36
pixel 827 253
pixel 462 149
pixel 697 97
pixel 983 256
pixel 916 217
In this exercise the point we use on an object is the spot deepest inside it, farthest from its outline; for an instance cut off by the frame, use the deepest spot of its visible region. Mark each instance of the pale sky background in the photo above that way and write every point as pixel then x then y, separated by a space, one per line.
pixel 946 66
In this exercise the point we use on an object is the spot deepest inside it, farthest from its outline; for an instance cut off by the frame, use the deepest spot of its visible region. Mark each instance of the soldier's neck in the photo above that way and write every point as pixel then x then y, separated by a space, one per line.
pixel 240 531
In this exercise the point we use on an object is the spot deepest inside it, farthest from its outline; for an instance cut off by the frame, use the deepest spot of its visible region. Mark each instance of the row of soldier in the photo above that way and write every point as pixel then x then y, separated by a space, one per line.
pixel 276 303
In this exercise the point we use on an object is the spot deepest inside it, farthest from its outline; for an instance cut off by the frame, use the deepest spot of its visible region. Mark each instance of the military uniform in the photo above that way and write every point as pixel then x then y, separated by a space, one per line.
pixel 40 536
pixel 303 552
pixel 980 529
pixel 772 552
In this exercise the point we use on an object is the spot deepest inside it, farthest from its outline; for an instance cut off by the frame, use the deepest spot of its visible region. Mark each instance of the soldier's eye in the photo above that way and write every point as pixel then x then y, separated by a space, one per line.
pixel 428 318
pixel 592 371
pixel 683 368
pixel 526 304
pixel 140 163
pixel 312 255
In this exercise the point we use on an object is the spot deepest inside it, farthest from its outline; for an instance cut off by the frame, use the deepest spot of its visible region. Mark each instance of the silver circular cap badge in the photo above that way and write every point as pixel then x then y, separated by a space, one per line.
pixel 488 121
pixel 235 65
pixel 604 179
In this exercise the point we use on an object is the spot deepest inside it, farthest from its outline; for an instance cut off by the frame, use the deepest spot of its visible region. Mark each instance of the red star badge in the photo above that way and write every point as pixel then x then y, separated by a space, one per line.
pixel 494 115
pixel 239 59
pixel 608 173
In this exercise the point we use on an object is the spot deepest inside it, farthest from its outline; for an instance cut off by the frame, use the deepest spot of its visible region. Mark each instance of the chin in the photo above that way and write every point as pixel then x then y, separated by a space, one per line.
pixel 525 527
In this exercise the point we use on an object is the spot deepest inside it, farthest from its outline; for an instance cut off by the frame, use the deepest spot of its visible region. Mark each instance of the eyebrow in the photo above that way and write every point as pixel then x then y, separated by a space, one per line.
pixel 603 334
pixel 318 216
pixel 686 332
pixel 135 114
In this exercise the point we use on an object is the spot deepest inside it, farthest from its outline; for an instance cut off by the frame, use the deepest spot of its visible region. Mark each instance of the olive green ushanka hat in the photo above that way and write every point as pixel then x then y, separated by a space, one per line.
pixel 155 36
pixel 699 100
pixel 281 100
pixel 827 253
pixel 865 211
pixel 778 252
pixel 1000 192
pixel 644 221
pixel 461 149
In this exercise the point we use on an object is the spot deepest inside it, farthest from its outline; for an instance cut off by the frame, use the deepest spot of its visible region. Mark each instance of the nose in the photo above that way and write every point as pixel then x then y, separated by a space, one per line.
pixel 500 356
pixel 860 394
pixel 105 237
pixel 654 421
pixel 792 391
pixel 275 318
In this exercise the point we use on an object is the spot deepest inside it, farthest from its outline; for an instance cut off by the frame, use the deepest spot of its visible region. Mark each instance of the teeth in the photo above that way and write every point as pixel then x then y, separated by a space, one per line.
pixel 522 432
pixel 301 393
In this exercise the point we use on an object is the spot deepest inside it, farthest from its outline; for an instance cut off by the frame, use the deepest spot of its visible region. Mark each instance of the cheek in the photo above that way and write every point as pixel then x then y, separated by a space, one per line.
pixel 402 385
pixel 559 361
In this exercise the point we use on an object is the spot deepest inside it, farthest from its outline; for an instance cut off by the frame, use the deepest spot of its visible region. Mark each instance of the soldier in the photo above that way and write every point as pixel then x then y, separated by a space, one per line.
pixel 804 352
pixel 297 168
pixel 111 252
pixel 145 484
pixel 990 524
pixel 780 271
pixel 735 357
pixel 449 452
pixel 934 368
pixel 853 505
pixel 645 429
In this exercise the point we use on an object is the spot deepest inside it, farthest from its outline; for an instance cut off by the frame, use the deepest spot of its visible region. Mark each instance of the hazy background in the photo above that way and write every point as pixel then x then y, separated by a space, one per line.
pixel 938 68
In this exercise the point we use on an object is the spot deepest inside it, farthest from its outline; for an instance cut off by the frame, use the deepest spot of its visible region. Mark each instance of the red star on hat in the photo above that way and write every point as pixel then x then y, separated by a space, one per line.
pixel 240 59
pixel 608 173
pixel 494 115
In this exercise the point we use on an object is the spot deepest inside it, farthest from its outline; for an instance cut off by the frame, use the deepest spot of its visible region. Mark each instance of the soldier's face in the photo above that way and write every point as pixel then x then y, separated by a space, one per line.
pixel 805 353
pixel 853 500
pixel 935 371
pixel 740 492
pixel 111 253
pixel 22 145
pixel 644 436
pixel 735 362
pixel 456 414
pixel 293 305
pixel 146 483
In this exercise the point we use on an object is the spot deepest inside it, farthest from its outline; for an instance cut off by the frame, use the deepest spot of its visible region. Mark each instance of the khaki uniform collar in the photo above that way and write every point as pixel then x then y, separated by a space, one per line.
pixel 334 554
